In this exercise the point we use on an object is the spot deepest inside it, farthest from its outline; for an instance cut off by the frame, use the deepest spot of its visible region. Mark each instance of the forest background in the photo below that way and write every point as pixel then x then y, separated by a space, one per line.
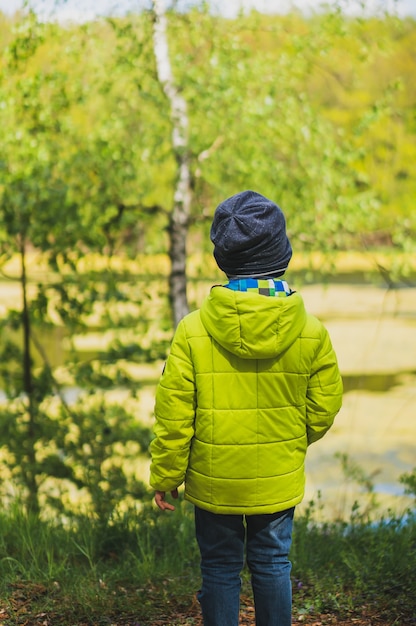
pixel 104 244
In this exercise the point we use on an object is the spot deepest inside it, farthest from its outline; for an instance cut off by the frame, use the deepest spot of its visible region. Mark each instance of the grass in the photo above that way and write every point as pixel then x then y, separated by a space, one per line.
pixel 89 573
pixel 340 565
pixel 144 569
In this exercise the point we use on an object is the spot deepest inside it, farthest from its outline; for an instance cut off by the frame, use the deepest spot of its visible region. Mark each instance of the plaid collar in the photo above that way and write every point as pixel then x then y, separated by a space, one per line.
pixel 264 286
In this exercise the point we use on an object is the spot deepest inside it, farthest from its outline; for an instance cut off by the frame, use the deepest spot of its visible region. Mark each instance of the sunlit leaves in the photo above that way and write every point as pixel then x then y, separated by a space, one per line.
pixel 316 113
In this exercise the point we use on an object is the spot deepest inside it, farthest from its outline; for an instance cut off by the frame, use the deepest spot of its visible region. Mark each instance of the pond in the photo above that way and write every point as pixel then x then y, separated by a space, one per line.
pixel 373 331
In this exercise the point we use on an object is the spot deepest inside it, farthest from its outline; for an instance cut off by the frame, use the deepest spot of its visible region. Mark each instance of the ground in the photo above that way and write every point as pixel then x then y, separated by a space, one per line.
pixel 22 609
pixel 361 617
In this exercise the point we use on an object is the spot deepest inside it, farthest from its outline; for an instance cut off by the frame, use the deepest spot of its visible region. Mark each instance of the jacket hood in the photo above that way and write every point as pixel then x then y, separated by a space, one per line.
pixel 250 325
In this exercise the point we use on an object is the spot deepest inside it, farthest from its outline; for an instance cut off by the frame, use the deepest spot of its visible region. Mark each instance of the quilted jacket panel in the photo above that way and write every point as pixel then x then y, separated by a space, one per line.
pixel 250 382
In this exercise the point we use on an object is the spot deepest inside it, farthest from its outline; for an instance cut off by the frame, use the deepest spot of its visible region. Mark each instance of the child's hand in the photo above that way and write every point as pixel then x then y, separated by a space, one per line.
pixel 161 502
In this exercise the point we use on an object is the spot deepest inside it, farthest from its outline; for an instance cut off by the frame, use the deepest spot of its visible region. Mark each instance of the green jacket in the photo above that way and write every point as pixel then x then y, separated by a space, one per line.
pixel 250 382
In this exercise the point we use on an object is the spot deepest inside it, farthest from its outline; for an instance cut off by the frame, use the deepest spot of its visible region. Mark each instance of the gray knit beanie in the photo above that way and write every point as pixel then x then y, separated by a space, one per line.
pixel 249 236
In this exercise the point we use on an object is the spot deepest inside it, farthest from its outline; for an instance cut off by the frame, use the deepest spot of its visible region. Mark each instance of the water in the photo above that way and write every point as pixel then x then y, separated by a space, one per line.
pixel 373 331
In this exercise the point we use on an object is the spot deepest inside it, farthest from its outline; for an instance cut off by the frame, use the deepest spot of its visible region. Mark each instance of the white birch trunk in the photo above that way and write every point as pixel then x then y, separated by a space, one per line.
pixel 179 219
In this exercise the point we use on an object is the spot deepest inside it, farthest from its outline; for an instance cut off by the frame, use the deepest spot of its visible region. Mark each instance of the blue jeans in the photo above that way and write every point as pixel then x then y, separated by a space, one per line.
pixel 221 540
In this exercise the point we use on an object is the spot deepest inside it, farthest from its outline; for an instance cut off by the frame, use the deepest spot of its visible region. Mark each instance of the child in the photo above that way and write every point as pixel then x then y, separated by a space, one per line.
pixel 251 380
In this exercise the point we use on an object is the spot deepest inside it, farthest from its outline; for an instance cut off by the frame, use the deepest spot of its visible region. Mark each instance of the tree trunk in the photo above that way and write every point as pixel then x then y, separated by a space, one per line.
pixel 179 218
pixel 29 470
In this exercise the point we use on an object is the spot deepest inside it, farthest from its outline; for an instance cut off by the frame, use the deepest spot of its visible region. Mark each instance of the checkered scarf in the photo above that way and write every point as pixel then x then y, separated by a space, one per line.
pixel 264 286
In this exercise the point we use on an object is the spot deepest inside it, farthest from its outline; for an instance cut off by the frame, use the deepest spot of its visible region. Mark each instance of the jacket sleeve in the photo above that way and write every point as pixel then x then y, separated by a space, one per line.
pixel 324 393
pixel 175 415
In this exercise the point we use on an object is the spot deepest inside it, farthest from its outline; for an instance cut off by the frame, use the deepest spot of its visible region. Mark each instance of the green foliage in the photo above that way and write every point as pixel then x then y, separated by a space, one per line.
pixel 409 480
pixel 65 192
pixel 292 122
pixel 286 148
pixel 94 443
pixel 338 566
pixel 315 112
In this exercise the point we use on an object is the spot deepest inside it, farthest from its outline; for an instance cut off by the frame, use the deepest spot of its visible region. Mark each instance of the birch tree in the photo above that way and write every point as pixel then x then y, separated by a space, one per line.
pixel 179 217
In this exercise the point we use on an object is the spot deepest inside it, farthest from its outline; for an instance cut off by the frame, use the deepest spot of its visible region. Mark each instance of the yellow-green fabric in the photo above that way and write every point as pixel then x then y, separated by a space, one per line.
pixel 250 382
